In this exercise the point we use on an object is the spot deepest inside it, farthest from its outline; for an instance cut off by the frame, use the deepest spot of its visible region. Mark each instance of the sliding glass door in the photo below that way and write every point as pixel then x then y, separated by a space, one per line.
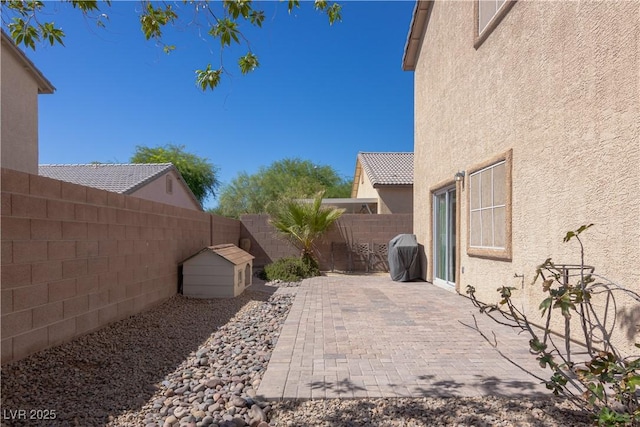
pixel 444 237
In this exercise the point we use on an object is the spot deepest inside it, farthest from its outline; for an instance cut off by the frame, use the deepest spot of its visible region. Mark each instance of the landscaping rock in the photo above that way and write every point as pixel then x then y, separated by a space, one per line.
pixel 97 379
pixel 119 365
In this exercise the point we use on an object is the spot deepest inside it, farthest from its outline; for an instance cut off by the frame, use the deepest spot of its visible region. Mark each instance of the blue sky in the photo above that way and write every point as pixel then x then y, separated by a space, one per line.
pixel 322 92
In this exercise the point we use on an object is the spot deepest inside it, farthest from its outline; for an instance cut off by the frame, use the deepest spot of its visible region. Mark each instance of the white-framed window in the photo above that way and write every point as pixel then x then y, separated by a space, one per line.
pixel 489 212
pixel 488 206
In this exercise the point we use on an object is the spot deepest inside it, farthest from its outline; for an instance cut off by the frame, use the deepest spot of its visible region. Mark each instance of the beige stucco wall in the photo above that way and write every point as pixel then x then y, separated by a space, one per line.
pixel 365 188
pixel 19 98
pixel 394 199
pixel 557 82
pixel 156 190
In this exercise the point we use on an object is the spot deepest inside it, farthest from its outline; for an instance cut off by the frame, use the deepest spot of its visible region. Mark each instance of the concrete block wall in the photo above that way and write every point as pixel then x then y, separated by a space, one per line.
pixel 267 245
pixel 224 230
pixel 357 228
pixel 76 258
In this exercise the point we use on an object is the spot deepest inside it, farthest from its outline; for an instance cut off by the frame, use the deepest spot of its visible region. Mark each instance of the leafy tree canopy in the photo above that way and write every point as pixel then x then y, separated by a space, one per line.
pixel 200 175
pixel 283 179
pixel 28 23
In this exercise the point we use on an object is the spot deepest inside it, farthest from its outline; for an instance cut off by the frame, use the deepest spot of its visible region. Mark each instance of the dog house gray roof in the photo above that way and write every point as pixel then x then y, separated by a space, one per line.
pixel 228 251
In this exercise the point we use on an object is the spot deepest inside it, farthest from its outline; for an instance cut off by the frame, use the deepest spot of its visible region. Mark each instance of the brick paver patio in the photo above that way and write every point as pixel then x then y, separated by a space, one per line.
pixel 367 336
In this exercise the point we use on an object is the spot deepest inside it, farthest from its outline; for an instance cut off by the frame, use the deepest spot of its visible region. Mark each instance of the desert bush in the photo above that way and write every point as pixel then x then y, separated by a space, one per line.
pixel 606 384
pixel 303 223
pixel 290 269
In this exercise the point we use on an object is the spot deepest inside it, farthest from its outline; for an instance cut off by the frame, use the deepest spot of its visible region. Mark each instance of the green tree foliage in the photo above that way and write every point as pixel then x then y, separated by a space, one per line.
pixel 200 175
pixel 283 179
pixel 304 223
pixel 27 22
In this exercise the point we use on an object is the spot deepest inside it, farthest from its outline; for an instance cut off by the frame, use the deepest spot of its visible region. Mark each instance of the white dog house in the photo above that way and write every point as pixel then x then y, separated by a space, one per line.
pixel 221 271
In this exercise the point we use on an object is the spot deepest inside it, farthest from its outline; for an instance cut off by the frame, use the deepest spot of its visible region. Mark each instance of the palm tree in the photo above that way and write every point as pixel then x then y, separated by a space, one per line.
pixel 303 223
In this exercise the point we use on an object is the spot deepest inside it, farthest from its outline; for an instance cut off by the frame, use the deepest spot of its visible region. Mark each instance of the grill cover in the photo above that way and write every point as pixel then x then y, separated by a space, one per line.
pixel 404 264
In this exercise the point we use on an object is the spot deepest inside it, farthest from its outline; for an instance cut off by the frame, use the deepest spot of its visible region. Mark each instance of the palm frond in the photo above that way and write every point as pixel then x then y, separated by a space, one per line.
pixel 304 222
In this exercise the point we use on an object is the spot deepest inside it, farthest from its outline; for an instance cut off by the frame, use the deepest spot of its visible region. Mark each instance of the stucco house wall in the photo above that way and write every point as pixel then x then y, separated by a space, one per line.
pixel 395 199
pixel 21 83
pixel 365 188
pixel 157 190
pixel 556 85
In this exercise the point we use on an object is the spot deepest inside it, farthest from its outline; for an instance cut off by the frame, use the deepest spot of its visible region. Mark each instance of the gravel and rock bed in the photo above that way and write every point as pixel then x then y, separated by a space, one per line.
pixel 184 362
pixel 484 411
pixel 281 284
pixel 198 363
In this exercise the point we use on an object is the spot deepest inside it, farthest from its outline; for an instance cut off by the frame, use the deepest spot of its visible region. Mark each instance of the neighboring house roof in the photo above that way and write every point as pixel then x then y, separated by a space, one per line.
pixel 388 168
pixel 414 38
pixel 382 169
pixel 118 178
pixel 44 85
pixel 228 251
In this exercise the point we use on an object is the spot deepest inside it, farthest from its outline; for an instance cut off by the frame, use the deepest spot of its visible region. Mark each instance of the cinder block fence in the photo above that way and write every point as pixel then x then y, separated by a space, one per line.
pixel 75 259
pixel 350 230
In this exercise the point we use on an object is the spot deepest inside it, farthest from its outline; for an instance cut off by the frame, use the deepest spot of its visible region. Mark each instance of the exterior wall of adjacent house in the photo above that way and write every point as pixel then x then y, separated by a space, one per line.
pixel 365 187
pixel 557 83
pixel 391 199
pixel 395 199
pixel 75 258
pixel 174 193
pixel 19 98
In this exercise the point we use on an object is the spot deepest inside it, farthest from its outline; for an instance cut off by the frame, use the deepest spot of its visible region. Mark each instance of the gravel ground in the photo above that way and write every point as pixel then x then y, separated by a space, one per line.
pixel 444 412
pixel 190 362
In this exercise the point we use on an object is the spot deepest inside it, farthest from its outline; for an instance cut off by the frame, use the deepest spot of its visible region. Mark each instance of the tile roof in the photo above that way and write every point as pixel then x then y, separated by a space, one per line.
pixel 388 168
pixel 118 178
